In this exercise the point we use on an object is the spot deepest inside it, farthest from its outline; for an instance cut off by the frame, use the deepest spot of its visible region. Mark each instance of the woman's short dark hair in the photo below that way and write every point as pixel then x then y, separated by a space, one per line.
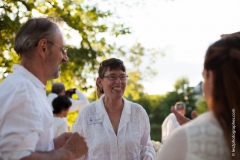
pixel 110 64
pixel 61 103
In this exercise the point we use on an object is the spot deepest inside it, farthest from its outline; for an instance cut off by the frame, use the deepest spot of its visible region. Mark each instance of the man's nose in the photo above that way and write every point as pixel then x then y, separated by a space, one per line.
pixel 65 58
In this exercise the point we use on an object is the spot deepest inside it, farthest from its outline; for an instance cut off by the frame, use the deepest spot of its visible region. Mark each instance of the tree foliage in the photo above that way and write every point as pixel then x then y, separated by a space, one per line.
pixel 182 92
pixel 87 20
pixel 202 106
pixel 92 27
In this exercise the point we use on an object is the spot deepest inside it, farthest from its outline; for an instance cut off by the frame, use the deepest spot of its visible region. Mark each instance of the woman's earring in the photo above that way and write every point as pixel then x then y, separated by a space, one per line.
pixel 101 90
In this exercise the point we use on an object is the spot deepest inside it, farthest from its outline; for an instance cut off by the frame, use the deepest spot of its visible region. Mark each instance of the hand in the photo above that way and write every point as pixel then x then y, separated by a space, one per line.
pixel 76 145
pixel 61 140
pixel 72 90
pixel 194 114
pixel 182 119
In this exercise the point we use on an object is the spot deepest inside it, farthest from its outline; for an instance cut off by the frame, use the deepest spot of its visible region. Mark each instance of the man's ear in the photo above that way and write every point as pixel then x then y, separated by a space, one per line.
pixel 42 47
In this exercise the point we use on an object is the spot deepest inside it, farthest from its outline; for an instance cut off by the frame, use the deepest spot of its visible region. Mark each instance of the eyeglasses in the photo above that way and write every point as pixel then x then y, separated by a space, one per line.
pixel 113 77
pixel 63 48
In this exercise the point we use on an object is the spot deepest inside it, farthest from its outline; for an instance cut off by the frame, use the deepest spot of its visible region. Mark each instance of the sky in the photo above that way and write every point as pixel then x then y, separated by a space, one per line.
pixel 186 28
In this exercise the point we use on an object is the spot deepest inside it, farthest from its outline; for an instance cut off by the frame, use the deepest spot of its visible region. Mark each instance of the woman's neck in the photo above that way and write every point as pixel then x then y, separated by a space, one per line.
pixel 113 106
pixel 58 115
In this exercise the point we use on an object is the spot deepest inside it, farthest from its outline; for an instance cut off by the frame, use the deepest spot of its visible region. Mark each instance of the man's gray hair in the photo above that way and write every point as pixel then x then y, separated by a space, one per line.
pixel 58 87
pixel 180 106
pixel 32 32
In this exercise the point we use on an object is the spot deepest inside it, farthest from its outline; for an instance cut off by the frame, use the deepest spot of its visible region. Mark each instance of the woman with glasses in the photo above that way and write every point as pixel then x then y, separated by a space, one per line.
pixel 115 128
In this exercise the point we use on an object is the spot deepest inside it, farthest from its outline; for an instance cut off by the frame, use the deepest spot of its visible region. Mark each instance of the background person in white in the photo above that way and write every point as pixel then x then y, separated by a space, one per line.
pixel 115 128
pixel 26 120
pixel 61 105
pixel 170 123
pixel 58 88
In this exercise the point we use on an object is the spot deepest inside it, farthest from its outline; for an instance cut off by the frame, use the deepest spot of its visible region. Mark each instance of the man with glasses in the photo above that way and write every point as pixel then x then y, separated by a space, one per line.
pixel 26 120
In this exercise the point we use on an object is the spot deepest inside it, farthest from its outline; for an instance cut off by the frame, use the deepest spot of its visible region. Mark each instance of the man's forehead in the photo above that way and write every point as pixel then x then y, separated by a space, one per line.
pixel 59 36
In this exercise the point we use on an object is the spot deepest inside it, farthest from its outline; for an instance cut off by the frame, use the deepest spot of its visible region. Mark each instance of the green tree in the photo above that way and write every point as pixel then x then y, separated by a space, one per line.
pixel 87 20
pixel 201 106
pixel 93 26
pixel 182 92
pixel 185 94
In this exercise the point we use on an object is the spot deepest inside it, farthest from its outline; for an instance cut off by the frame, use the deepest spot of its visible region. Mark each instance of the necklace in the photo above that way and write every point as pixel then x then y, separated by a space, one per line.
pixel 120 108
pixel 114 111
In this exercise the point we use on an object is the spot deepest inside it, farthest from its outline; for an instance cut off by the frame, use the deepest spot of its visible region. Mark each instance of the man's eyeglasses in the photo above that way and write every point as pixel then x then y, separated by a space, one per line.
pixel 113 77
pixel 63 48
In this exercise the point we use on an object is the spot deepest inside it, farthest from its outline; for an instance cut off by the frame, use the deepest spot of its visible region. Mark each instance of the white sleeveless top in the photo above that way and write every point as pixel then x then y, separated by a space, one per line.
pixel 199 139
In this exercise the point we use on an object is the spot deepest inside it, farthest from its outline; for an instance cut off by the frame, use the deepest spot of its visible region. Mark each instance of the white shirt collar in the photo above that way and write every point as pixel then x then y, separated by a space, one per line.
pixel 125 117
pixel 31 77
pixel 101 109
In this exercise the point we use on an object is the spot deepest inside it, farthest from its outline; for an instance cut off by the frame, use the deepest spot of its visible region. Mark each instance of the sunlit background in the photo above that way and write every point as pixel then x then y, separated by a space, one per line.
pixel 163 52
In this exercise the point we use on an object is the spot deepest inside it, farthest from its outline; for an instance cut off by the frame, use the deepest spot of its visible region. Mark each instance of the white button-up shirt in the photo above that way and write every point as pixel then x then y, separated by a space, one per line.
pixel 132 141
pixel 26 120
pixel 202 138
pixel 169 125
pixel 60 126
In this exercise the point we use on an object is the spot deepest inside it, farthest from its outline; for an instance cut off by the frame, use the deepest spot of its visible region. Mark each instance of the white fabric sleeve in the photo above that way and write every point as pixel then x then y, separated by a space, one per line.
pixel 80 103
pixel 175 147
pixel 147 150
pixel 20 133
pixel 169 127
pixel 50 98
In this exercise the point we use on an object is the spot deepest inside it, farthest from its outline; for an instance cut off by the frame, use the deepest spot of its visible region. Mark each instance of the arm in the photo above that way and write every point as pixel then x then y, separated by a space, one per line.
pixel 182 119
pixel 21 122
pixel 59 154
pixel 22 125
pixel 72 146
pixel 50 98
pixel 80 103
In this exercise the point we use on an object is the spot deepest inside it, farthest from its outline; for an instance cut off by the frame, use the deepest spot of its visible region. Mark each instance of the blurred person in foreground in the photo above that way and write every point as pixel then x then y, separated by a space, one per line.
pixel 182 119
pixel 58 88
pixel 115 128
pixel 26 120
pixel 214 135
pixel 61 105
pixel 170 123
